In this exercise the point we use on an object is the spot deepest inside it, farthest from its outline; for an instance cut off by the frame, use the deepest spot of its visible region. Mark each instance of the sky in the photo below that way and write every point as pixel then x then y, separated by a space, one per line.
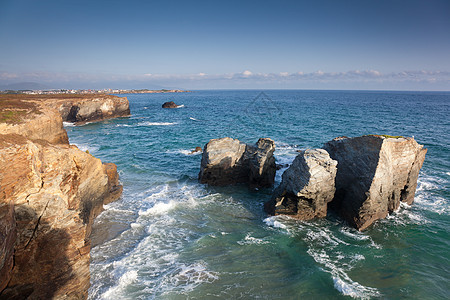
pixel 346 44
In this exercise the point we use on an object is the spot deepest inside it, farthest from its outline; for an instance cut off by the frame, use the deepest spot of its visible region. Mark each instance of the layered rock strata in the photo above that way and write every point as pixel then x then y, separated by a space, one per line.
pixel 50 192
pixel 228 161
pixel 374 175
pixel 76 108
pixel 306 187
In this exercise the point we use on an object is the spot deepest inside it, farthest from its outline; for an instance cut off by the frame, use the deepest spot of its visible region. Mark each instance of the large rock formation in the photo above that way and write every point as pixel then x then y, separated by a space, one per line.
pixel 228 161
pixel 374 174
pixel 50 193
pixel 307 186
pixel 92 109
pixel 75 108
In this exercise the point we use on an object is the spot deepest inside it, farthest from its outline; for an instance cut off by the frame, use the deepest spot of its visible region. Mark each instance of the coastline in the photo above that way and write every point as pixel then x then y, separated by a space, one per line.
pixel 50 193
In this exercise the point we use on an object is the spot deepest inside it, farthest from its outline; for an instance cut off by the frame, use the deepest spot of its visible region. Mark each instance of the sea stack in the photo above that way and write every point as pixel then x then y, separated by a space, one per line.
pixel 306 187
pixel 169 104
pixel 374 174
pixel 228 161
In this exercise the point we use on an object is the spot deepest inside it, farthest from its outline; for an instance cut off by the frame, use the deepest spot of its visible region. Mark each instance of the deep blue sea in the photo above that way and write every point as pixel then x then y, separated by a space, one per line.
pixel 170 237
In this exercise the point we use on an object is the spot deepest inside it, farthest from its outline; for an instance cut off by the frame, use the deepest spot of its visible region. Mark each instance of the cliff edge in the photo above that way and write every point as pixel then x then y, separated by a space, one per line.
pixel 50 193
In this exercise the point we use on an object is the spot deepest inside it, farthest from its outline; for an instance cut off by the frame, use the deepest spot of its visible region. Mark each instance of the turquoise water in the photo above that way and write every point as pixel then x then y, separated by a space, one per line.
pixel 170 237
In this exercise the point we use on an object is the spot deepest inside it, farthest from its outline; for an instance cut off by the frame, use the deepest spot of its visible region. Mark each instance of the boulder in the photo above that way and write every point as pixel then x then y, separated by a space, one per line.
pixel 169 104
pixel 306 187
pixel 228 161
pixel 374 174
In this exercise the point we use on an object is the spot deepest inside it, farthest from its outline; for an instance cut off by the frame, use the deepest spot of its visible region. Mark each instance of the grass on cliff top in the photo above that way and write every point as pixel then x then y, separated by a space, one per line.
pixel 14 111
pixel 388 136
pixel 46 97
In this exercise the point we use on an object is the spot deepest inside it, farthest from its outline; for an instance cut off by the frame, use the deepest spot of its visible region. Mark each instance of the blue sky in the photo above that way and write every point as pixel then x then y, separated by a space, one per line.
pixel 346 44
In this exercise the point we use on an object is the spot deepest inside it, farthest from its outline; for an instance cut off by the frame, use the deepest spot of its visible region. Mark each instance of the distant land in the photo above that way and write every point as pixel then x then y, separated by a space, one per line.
pixel 88 91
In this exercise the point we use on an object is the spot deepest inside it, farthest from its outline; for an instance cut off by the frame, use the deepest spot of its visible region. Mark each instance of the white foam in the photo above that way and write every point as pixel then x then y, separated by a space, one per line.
pixel 186 152
pixel 159 208
pixel 156 124
pixel 180 106
pixel 353 233
pixel 68 124
pixel 86 147
pixel 193 119
pixel 342 282
pixel 125 280
pixel 273 222
pixel 123 125
pixel 190 276
pixel 249 240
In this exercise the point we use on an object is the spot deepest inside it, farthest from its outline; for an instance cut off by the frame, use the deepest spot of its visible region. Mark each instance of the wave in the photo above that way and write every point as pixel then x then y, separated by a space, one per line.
pixel 125 280
pixel 249 240
pixel 156 124
pixel 274 222
pixel 180 106
pixel 68 124
pixel 87 147
pixel 193 119
pixel 342 282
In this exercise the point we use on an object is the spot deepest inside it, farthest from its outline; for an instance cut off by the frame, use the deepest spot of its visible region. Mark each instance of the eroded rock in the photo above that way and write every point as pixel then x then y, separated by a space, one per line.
pixel 374 175
pixel 228 161
pixel 169 104
pixel 56 191
pixel 307 186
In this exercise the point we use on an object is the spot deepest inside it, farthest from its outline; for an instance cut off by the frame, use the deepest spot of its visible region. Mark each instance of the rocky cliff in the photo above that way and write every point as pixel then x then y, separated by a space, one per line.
pixel 74 108
pixel 228 161
pixel 50 192
pixel 307 186
pixel 374 174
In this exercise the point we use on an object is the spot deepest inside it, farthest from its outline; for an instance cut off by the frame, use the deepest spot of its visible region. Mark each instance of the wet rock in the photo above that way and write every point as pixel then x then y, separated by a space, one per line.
pixel 228 161
pixel 307 186
pixel 375 174
pixel 169 104
pixel 197 149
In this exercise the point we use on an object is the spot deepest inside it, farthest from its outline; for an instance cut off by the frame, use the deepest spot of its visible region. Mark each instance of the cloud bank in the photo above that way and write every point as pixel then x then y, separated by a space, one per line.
pixel 355 79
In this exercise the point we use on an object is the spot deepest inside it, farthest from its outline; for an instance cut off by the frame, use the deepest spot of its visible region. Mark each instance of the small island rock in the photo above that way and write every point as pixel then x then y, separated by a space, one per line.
pixel 169 104
pixel 307 186
pixel 374 174
pixel 228 161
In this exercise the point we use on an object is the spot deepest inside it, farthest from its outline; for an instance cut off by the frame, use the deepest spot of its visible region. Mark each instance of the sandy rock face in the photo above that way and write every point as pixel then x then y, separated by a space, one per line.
pixel 374 174
pixel 307 186
pixel 45 125
pixel 228 161
pixel 53 192
pixel 92 109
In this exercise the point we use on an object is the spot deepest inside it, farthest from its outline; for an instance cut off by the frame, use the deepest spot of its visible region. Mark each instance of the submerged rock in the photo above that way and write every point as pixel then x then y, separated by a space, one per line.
pixel 169 104
pixel 374 174
pixel 197 149
pixel 306 187
pixel 228 161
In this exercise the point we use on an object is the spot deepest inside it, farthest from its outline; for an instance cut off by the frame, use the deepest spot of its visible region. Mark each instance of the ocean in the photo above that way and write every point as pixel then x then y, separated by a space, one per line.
pixel 169 237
